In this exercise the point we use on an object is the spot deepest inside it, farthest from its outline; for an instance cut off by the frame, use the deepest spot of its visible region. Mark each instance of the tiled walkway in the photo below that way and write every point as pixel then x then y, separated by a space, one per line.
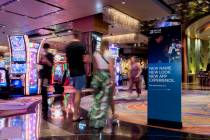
pixel 57 124
pixel 195 109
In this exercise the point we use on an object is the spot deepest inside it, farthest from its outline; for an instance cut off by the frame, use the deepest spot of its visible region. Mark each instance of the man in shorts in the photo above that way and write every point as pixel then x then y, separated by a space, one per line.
pixel 76 59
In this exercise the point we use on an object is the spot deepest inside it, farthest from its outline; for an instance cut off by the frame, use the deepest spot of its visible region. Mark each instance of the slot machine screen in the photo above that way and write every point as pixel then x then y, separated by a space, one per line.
pixel 17 83
pixel 33 76
pixel 18 47
pixel 18 56
pixel 58 75
pixel 18 68
pixel 114 51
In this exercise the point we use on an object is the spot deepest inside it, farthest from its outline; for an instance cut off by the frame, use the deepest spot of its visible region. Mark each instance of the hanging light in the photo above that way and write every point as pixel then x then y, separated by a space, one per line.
pixel 114 16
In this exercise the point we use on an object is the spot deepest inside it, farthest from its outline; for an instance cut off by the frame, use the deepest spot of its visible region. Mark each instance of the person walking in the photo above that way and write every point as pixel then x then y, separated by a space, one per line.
pixel 134 76
pixel 103 83
pixel 76 59
pixel 46 61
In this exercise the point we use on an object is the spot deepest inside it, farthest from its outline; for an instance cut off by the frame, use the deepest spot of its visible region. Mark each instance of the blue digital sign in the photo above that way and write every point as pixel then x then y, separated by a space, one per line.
pixel 164 85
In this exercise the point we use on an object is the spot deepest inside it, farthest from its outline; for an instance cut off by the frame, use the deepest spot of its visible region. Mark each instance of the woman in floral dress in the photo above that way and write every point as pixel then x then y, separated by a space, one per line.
pixel 103 83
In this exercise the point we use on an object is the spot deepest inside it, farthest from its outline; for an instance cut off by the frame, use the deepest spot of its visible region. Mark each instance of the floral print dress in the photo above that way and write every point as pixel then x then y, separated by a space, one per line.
pixel 102 96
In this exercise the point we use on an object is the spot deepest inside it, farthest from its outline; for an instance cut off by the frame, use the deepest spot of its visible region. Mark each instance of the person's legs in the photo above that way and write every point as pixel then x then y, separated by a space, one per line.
pixel 131 86
pixel 102 100
pixel 112 102
pixel 77 101
pixel 44 84
pixel 138 89
pixel 80 83
pixel 145 81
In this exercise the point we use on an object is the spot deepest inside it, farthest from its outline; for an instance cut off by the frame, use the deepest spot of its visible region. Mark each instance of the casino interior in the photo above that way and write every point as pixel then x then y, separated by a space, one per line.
pixel 25 25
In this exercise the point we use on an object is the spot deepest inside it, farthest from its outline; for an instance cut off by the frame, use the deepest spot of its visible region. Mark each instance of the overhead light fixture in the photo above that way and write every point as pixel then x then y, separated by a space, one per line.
pixel 123 2
pixel 125 38
pixel 2 26
pixel 114 16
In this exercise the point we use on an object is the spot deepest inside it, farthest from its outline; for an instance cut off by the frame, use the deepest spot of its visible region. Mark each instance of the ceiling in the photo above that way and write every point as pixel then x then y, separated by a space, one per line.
pixel 183 11
pixel 188 9
pixel 23 16
pixel 200 29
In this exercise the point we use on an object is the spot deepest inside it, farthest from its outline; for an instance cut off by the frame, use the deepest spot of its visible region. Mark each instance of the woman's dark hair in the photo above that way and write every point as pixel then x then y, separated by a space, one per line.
pixel 46 46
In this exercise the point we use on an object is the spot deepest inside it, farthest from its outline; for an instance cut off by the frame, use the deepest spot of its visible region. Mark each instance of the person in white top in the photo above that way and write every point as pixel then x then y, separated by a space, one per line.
pixel 102 83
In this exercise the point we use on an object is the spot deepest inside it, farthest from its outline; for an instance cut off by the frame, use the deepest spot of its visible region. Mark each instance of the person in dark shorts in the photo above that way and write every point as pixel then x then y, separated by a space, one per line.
pixel 47 61
pixel 76 59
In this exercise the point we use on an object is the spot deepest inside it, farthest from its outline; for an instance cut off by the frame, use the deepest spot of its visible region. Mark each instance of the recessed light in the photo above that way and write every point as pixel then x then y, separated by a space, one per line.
pixel 123 2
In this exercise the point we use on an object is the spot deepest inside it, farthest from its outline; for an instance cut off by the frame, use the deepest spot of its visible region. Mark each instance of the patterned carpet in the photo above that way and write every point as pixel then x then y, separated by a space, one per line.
pixel 18 106
pixel 195 109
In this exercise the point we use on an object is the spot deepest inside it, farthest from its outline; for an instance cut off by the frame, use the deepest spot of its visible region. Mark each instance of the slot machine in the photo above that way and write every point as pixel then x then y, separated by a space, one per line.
pixel 59 68
pixel 18 64
pixel 33 68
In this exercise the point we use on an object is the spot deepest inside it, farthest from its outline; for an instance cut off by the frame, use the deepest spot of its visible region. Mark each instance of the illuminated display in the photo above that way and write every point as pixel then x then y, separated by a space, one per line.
pixel 2 64
pixel 114 51
pixel 98 41
pixel 58 72
pixel 59 68
pixel 29 125
pixel 19 64
pixel 18 48
pixel 33 75
pixel 2 123
pixel 3 81
pixel 17 43
pixel 18 68
pixel 19 56
pixel 59 57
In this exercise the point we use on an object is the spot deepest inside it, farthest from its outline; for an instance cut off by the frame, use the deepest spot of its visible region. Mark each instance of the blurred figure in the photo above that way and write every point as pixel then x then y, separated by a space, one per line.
pixel 145 76
pixel 103 83
pixel 76 59
pixel 134 76
pixel 47 61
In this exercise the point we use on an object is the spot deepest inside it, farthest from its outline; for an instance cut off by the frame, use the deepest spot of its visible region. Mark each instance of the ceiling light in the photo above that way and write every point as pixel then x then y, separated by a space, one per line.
pixel 2 26
pixel 123 2
pixel 115 16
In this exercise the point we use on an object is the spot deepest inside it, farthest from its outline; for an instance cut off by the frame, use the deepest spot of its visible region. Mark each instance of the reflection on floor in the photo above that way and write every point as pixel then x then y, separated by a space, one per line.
pixel 195 109
pixel 194 86
pixel 58 125
pixel 18 106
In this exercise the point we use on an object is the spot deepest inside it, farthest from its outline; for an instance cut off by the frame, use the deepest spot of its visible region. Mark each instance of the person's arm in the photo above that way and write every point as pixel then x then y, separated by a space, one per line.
pixel 129 71
pixel 86 56
pixel 112 69
pixel 87 59
pixel 46 61
pixel 49 60
pixel 95 65
pixel 139 72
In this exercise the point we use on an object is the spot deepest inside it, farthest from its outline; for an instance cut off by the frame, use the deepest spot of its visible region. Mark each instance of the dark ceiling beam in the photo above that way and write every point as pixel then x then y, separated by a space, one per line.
pixel 167 6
